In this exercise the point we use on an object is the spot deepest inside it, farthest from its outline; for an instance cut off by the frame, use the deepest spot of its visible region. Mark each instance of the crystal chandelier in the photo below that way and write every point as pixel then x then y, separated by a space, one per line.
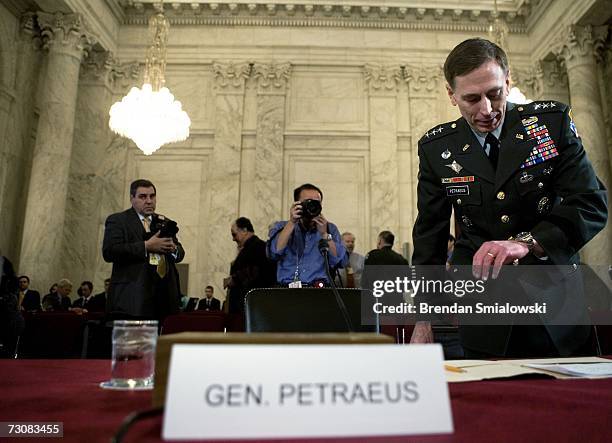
pixel 150 116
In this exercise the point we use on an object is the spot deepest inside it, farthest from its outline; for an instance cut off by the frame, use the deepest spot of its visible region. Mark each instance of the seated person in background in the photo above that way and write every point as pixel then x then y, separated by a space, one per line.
pixel 29 299
pixel 251 268
pixel 209 303
pixel 52 291
pixel 11 320
pixel 350 276
pixel 60 301
pixel 98 301
pixel 85 296
pixel 383 254
pixel 190 303
pixel 293 244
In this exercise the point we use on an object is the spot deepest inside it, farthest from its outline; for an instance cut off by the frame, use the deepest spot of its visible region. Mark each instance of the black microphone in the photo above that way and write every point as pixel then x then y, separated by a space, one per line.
pixel 323 246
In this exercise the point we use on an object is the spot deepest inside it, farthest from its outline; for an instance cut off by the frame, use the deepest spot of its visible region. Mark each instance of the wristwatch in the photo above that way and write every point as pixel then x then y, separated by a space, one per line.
pixel 525 238
pixel 327 237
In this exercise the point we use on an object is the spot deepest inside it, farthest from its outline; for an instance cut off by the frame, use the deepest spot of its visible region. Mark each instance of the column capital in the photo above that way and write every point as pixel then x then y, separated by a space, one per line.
pixel 66 33
pixel 271 77
pixel 30 30
pixel 230 77
pixel 580 42
pixel 382 79
pixel 101 66
pixel 422 78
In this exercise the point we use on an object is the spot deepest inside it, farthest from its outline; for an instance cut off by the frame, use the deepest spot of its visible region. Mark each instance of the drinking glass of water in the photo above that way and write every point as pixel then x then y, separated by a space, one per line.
pixel 133 363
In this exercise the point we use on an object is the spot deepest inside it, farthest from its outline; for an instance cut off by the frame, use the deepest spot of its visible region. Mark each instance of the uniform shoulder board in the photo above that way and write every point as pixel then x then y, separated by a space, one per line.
pixel 541 106
pixel 439 131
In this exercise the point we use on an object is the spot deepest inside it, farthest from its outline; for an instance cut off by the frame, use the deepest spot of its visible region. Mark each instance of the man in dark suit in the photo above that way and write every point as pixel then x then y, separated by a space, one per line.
pixel 523 192
pixel 29 299
pixel 251 269
pixel 98 301
pixel 384 254
pixel 144 280
pixel 85 300
pixel 209 303
pixel 11 320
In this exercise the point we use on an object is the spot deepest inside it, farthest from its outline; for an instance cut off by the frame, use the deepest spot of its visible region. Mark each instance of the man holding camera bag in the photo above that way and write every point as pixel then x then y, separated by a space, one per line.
pixel 143 248
pixel 294 244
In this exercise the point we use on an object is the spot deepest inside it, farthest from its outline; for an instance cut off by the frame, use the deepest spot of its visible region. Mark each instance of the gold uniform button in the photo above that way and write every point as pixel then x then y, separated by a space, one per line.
pixel 454 125
pixel 501 195
pixel 505 219
pixel 540 185
pixel 520 108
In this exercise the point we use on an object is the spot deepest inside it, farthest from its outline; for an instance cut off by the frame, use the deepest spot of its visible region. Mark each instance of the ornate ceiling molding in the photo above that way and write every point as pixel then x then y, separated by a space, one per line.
pixel 306 13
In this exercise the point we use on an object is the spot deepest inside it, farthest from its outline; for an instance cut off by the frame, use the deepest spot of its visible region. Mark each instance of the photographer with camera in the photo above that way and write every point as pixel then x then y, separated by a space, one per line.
pixel 294 244
pixel 143 248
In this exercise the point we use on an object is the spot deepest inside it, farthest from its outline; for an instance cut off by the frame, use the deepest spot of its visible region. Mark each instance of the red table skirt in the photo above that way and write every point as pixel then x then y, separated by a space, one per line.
pixel 491 411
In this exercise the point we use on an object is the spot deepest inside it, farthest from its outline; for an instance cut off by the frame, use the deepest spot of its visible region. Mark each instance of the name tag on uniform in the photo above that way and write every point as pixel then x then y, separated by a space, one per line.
pixel 457 190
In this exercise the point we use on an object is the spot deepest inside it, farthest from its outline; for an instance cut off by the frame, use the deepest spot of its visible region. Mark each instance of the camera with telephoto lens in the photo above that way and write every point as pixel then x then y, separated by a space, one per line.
pixel 167 228
pixel 310 208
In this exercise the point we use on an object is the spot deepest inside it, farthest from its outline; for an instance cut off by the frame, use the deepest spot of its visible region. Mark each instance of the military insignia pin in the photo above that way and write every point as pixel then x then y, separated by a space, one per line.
pixel 519 136
pixel 455 166
pixel 466 147
pixel 525 178
pixel 529 121
pixel 543 205
pixel 446 155
pixel 467 222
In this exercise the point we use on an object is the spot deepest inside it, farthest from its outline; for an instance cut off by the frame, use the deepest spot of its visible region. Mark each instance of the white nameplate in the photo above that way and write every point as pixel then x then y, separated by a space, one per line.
pixel 292 391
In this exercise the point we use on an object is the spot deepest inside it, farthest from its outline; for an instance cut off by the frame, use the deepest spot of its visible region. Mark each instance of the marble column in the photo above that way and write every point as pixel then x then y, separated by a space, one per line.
pixel 552 81
pixel 7 98
pixel 224 182
pixel 580 51
pixel 382 82
pixel 16 140
pixel 91 135
pixel 272 80
pixel 66 39
pixel 424 95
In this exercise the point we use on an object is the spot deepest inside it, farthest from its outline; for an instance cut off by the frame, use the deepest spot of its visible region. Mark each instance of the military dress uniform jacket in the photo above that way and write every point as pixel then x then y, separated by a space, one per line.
pixel 543 184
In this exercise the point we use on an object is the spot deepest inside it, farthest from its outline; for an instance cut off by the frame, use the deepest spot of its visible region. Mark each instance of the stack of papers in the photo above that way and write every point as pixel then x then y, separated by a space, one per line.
pixel 577 369
pixel 561 368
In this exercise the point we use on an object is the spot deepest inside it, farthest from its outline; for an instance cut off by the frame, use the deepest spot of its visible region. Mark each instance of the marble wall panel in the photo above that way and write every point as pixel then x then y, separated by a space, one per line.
pixel 343 179
pixel 269 160
pixel 327 100
pixel 383 165
pixel 224 183
pixel 194 89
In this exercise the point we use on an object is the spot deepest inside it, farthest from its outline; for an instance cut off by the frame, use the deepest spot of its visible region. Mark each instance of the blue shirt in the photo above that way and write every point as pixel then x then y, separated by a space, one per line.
pixel 300 259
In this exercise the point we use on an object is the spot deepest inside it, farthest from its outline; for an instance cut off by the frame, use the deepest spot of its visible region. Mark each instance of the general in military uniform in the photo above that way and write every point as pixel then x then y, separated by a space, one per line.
pixel 522 189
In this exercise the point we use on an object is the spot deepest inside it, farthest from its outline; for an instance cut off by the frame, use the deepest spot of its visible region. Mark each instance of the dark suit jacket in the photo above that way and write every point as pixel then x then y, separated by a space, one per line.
pixel 251 269
pixel 31 301
pixel 384 256
pixel 96 303
pixel 559 200
pixel 192 304
pixel 136 289
pixel 215 305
